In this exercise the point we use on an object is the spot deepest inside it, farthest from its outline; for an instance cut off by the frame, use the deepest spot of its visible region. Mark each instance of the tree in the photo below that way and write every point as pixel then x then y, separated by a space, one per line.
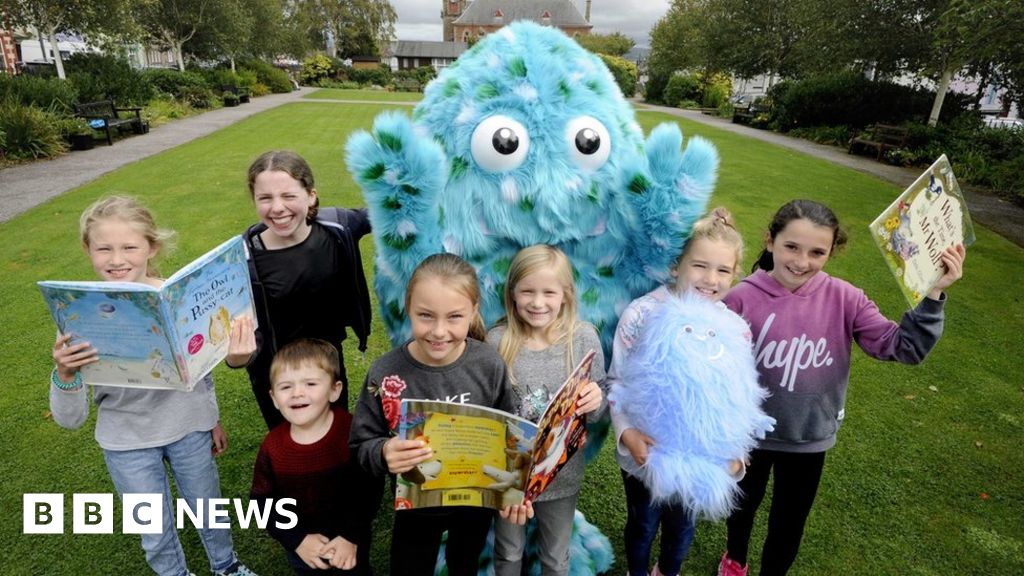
pixel 616 44
pixel 678 42
pixel 172 23
pixel 349 27
pixel 49 17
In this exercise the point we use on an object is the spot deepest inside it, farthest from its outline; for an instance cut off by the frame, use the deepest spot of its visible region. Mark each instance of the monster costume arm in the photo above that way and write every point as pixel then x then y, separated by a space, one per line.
pixel 668 199
pixel 401 172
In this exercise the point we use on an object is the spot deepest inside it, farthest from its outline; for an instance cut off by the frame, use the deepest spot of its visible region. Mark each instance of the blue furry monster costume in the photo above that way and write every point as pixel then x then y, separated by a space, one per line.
pixel 690 384
pixel 527 139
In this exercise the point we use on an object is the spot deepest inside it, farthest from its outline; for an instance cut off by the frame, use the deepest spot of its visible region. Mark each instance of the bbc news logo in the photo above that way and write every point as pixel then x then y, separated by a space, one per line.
pixel 143 513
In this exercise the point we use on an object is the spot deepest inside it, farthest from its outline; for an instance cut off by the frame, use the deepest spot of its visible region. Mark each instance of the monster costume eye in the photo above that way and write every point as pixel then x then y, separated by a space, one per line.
pixel 500 144
pixel 711 333
pixel 687 329
pixel 589 142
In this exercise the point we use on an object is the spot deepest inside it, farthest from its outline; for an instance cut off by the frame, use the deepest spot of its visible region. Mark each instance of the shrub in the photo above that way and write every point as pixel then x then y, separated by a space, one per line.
pixel 105 77
pixel 175 83
pixel 423 75
pixel 51 94
pixel 377 76
pixel 716 90
pixel 161 109
pixel 833 135
pixel 196 96
pixel 681 87
pixel 657 80
pixel 273 78
pixel 259 89
pixel 624 71
pixel 848 98
pixel 315 68
pixel 29 132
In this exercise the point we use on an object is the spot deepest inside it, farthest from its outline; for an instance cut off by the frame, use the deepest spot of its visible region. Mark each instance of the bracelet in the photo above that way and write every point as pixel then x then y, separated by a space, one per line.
pixel 73 385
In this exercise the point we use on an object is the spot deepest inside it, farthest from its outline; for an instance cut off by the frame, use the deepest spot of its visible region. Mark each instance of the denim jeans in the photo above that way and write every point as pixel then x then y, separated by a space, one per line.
pixel 554 530
pixel 143 472
pixel 642 519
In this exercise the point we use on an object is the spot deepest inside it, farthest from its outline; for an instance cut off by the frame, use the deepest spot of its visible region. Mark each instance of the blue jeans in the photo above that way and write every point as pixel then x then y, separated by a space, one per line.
pixel 642 519
pixel 143 472
pixel 554 530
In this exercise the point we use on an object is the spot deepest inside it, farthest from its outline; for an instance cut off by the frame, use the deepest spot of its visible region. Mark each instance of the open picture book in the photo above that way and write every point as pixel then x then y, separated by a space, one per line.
pixel 486 457
pixel 168 337
pixel 928 217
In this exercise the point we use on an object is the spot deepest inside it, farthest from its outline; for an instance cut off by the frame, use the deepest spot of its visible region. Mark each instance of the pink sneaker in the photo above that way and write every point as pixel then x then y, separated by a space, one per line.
pixel 730 567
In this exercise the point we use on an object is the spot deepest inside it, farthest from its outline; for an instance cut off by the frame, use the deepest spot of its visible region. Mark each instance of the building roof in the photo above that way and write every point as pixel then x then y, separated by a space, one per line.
pixel 564 13
pixel 426 49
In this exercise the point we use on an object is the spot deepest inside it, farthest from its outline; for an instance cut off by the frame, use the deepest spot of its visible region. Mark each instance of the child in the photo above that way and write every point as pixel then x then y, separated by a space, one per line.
pixel 444 360
pixel 707 266
pixel 804 322
pixel 306 270
pixel 307 459
pixel 541 340
pixel 140 429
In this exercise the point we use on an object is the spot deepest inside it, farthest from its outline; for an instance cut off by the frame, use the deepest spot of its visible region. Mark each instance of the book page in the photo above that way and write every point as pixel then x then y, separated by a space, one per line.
pixel 560 431
pixel 928 217
pixel 481 456
pixel 125 325
pixel 202 299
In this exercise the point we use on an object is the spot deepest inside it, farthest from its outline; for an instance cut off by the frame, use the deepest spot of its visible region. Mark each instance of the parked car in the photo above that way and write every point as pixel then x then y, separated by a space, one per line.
pixel 1008 123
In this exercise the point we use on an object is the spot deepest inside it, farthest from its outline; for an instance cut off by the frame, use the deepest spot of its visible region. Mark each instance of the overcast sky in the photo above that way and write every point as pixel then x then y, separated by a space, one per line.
pixel 421 19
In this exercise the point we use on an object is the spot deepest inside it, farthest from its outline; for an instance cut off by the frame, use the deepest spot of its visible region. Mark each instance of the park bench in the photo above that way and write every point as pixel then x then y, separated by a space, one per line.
pixel 103 115
pixel 745 114
pixel 407 85
pixel 880 137
pixel 241 93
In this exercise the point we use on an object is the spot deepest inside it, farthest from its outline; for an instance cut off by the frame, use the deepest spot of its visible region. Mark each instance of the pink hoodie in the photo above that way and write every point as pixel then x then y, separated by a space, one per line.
pixel 802 345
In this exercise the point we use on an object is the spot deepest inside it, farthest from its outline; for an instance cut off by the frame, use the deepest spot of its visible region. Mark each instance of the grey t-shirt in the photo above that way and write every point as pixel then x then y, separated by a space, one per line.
pixel 536 375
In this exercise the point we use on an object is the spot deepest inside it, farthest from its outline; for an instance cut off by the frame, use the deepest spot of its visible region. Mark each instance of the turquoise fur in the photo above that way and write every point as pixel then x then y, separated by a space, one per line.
pixel 621 224
pixel 590 551
pixel 691 385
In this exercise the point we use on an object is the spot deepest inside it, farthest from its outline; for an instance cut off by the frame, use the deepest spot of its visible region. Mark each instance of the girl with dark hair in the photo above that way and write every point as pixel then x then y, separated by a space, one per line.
pixel 804 323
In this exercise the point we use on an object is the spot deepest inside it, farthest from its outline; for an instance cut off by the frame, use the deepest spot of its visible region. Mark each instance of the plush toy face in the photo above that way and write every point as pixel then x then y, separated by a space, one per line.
pixel 527 139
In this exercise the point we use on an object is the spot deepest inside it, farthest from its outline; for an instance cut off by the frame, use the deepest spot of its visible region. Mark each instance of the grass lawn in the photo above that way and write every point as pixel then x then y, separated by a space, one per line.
pixel 372 95
pixel 925 478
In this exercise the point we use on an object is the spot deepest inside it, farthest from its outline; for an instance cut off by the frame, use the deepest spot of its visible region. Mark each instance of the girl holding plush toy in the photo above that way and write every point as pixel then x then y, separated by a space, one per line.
pixel 684 398
pixel 789 299
pixel 541 340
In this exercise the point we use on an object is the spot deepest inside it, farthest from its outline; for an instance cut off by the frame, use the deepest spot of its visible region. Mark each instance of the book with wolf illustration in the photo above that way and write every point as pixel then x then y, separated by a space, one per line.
pixel 928 217
pixel 487 457
pixel 168 337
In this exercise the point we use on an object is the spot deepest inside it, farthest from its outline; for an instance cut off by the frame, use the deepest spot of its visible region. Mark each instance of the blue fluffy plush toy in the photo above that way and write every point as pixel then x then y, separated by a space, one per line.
pixel 527 139
pixel 690 384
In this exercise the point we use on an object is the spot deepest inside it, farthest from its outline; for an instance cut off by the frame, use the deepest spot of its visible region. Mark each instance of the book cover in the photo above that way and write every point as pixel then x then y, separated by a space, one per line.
pixel 928 217
pixel 167 338
pixel 486 457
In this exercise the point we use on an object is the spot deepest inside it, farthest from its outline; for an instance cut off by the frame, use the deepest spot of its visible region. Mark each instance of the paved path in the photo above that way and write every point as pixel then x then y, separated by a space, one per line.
pixel 23 187
pixel 996 214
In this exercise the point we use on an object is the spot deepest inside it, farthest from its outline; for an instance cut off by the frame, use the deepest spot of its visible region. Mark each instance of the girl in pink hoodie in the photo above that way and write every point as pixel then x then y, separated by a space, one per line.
pixel 803 324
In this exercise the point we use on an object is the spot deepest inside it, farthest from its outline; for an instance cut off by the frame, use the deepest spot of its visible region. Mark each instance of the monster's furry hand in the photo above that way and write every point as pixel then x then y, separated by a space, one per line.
pixel 401 172
pixel 672 196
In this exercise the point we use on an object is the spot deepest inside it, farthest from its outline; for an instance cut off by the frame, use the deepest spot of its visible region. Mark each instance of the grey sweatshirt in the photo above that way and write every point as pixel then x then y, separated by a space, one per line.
pixel 477 377
pixel 537 374
pixel 136 418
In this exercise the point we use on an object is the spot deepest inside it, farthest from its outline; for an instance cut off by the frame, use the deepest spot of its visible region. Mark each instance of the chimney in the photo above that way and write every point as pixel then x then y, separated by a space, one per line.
pixel 586 15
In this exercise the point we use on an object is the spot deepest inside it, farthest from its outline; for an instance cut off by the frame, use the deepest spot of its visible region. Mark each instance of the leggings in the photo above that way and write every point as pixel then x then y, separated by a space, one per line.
pixel 796 482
